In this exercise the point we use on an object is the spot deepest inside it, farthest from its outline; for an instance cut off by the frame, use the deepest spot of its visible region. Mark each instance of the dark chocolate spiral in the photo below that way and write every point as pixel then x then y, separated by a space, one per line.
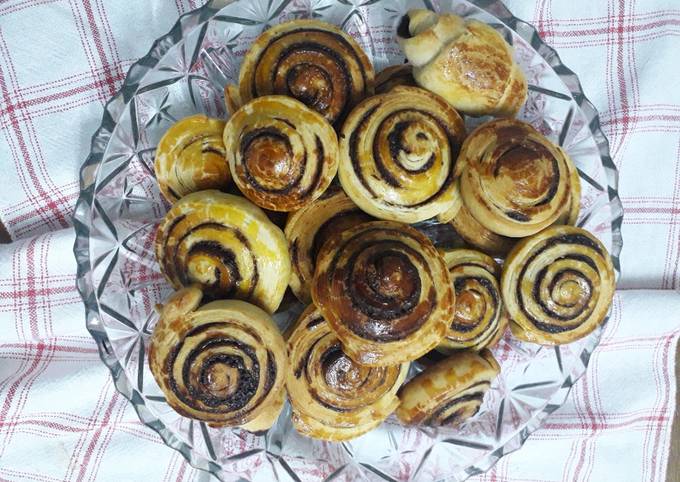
pixel 311 61
pixel 333 397
pixel 557 285
pixel 448 392
pixel 479 319
pixel 398 155
pixel 385 291
pixel 226 245
pixel 282 154
pixel 224 363
pixel 190 157
pixel 515 181
pixel 310 227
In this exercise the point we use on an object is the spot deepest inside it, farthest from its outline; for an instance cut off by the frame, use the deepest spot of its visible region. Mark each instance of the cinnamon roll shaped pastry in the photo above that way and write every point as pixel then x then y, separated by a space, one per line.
pixel 223 363
pixel 385 291
pixel 515 181
pixel 479 319
pixel 310 227
pixel 190 157
pixel 393 76
pixel 557 285
pixel 226 245
pixel 312 61
pixel 477 236
pixel 333 397
pixel 465 61
pixel 449 391
pixel 572 210
pixel 398 155
pixel 282 155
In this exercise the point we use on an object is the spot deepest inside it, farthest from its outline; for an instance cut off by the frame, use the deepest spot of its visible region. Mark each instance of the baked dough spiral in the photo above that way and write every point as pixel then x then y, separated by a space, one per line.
pixel 309 228
pixel 333 397
pixel 398 155
pixel 557 285
pixel 223 363
pixel 449 391
pixel 477 236
pixel 282 155
pixel 572 210
pixel 385 291
pixel 227 246
pixel 393 76
pixel 309 60
pixel 190 157
pixel 515 182
pixel 465 61
pixel 479 319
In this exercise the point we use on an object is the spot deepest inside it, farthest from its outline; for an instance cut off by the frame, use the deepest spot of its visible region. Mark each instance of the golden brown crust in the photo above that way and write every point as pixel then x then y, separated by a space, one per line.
pixel 333 397
pixel 572 210
pixel 398 155
pixel 223 363
pixel 477 236
pixel 466 62
pixel 190 157
pixel 282 155
pixel 515 181
pixel 557 285
pixel 385 291
pixel 449 391
pixel 393 76
pixel 479 319
pixel 308 229
pixel 309 60
pixel 225 244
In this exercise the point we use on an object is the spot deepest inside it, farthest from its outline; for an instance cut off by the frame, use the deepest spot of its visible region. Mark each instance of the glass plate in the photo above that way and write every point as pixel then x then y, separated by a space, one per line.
pixel 120 282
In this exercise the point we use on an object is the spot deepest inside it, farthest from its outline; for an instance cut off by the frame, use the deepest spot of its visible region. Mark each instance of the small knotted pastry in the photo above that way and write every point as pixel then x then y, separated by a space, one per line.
pixel 282 155
pixel 449 391
pixel 309 60
pixel 479 319
pixel 333 397
pixel 393 76
pixel 310 227
pixel 398 154
pixel 226 245
pixel 465 61
pixel 223 363
pixel 557 285
pixel 190 157
pixel 515 182
pixel 385 291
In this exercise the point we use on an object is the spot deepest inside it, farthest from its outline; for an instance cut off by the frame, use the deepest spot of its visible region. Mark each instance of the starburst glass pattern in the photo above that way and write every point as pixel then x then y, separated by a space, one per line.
pixel 120 282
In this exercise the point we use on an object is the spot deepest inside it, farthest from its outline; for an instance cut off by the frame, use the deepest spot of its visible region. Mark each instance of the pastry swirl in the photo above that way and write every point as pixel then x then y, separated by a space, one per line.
pixel 479 319
pixel 477 236
pixel 309 228
pixel 282 155
pixel 515 182
pixel 393 76
pixel 465 61
pixel 449 391
pixel 557 285
pixel 398 155
pixel 311 61
pixel 385 290
pixel 190 157
pixel 334 398
pixel 223 363
pixel 226 245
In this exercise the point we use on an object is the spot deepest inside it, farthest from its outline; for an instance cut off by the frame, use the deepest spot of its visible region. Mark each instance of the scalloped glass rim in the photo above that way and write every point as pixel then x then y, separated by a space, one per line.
pixel 87 203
